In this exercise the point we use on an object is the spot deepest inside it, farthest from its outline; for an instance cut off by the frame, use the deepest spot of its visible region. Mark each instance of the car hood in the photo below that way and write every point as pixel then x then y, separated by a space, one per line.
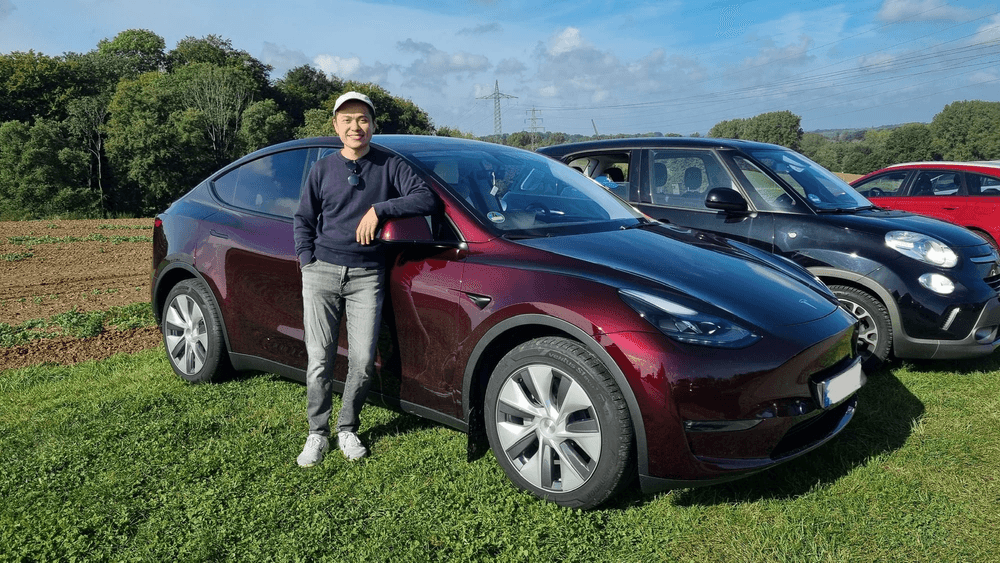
pixel 880 222
pixel 698 265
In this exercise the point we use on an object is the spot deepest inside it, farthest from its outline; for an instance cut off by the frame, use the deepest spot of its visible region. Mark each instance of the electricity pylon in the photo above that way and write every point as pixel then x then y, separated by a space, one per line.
pixel 496 96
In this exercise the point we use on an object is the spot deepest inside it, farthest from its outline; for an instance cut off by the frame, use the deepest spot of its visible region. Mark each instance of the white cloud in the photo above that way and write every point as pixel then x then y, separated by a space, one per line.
pixel 990 31
pixel 433 67
pixel 894 11
pixel 351 68
pixel 566 41
pixel 332 64
pixel 281 58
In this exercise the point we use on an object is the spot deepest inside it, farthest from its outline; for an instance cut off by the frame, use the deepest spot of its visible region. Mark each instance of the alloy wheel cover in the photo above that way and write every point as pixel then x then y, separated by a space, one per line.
pixel 548 428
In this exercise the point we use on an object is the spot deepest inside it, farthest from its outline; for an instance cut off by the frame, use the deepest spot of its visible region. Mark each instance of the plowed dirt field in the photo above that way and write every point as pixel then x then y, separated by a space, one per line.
pixel 51 266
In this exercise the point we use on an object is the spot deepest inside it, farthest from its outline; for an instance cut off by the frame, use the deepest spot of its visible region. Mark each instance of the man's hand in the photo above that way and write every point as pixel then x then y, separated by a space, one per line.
pixel 367 227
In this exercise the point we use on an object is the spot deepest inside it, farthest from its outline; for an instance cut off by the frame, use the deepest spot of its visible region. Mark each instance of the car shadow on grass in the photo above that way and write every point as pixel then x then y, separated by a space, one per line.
pixel 882 423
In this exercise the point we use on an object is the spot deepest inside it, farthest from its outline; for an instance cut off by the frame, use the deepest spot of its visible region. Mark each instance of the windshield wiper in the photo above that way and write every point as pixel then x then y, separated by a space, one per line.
pixel 840 209
pixel 641 224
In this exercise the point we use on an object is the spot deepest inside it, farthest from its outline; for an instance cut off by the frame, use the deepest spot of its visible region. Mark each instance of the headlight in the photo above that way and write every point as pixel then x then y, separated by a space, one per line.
pixel 921 247
pixel 937 283
pixel 687 325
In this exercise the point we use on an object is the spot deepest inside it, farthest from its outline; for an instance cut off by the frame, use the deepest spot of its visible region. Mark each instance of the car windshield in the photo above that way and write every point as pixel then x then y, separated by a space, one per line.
pixel 823 189
pixel 519 193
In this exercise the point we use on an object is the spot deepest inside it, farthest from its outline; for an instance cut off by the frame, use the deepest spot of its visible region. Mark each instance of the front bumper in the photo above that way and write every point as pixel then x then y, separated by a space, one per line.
pixel 981 340
pixel 802 437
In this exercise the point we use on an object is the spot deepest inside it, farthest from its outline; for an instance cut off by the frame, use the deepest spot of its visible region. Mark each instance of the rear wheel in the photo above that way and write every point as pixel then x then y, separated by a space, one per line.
pixel 192 333
pixel 558 423
pixel 875 327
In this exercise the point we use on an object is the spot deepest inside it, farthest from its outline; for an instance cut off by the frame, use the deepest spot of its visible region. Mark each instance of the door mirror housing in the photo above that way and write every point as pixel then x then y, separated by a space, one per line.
pixel 406 229
pixel 728 200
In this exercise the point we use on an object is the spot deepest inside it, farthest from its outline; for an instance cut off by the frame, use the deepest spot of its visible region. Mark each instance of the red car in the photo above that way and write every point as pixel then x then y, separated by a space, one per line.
pixel 964 193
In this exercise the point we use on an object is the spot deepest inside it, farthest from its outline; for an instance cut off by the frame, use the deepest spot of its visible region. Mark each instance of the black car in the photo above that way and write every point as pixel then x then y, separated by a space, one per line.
pixel 519 312
pixel 922 288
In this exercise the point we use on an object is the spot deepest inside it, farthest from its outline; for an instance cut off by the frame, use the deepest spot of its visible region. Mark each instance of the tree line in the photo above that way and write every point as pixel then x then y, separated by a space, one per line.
pixel 126 128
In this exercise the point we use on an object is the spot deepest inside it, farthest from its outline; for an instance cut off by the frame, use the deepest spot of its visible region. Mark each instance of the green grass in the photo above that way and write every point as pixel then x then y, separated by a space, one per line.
pixel 78 324
pixel 121 460
pixel 32 240
pixel 15 256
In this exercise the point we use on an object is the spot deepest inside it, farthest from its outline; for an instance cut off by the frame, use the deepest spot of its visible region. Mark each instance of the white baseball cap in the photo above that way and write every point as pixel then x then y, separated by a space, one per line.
pixel 348 96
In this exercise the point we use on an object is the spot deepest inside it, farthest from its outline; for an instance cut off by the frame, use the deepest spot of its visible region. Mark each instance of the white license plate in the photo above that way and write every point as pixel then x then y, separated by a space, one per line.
pixel 841 386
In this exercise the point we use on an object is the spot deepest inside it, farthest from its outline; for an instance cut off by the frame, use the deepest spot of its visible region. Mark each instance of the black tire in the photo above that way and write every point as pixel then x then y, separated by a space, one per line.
pixel 558 423
pixel 875 335
pixel 192 333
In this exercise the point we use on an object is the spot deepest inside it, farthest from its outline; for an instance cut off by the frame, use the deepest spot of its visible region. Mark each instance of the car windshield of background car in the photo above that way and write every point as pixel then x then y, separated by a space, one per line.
pixel 518 193
pixel 823 189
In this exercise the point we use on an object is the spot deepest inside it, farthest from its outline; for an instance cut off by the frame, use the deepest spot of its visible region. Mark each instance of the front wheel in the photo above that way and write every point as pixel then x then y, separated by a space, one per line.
pixel 558 423
pixel 875 327
pixel 192 333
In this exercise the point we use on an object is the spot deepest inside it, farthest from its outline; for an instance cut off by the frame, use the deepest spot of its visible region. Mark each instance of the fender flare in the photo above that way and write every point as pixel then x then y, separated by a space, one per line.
pixel 869 285
pixel 190 273
pixel 584 339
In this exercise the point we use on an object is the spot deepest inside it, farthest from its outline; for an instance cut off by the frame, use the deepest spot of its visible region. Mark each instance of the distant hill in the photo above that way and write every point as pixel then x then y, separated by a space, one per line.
pixel 856 132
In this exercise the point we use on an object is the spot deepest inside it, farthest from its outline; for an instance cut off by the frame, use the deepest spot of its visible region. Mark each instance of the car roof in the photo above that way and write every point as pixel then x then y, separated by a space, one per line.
pixel 992 165
pixel 653 142
pixel 396 143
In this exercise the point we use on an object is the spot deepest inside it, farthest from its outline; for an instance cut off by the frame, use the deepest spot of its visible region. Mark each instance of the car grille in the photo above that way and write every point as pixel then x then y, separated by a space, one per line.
pixel 989 267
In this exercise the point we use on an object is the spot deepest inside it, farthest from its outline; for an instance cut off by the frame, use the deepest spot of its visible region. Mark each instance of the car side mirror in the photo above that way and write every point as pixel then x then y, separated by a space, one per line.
pixel 406 229
pixel 726 199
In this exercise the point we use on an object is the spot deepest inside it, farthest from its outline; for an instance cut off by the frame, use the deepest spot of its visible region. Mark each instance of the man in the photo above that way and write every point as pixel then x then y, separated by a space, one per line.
pixel 345 198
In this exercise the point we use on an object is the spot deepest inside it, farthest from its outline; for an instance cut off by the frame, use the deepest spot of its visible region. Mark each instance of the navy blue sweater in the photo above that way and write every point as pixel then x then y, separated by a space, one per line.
pixel 330 208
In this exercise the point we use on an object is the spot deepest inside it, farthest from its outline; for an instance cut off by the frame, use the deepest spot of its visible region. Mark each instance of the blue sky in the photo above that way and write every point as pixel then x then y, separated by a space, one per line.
pixel 576 66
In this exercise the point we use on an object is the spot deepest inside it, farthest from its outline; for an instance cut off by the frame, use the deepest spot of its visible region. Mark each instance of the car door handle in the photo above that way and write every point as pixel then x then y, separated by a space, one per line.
pixel 215 233
pixel 949 208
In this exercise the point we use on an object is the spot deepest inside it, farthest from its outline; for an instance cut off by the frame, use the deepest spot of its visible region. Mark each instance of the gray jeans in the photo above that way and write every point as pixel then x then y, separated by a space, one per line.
pixel 328 292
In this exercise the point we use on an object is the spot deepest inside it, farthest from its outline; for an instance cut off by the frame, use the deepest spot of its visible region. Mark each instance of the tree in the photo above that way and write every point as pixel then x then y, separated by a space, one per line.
pixel 221 53
pixel 968 130
pixel 157 147
pixel 40 173
pixel 731 129
pixel 85 123
pixel 134 52
pixel 264 124
pixel 32 84
pixel 219 95
pixel 453 132
pixel 778 127
pixel 304 88
pixel 909 143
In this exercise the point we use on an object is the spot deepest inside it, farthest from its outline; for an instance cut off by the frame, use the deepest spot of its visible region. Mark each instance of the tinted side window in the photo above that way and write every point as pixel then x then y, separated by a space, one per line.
pixel 982 185
pixel 681 178
pixel 886 185
pixel 270 184
pixel 934 183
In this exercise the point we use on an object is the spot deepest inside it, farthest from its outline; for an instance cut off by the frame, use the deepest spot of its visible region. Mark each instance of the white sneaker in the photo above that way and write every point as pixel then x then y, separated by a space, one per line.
pixel 351 445
pixel 312 453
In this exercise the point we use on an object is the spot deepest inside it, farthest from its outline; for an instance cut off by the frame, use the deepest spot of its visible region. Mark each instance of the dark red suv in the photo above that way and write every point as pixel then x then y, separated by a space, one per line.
pixel 590 343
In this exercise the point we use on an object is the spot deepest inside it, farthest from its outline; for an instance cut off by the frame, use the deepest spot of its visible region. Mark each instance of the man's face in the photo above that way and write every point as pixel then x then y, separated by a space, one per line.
pixel 353 125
